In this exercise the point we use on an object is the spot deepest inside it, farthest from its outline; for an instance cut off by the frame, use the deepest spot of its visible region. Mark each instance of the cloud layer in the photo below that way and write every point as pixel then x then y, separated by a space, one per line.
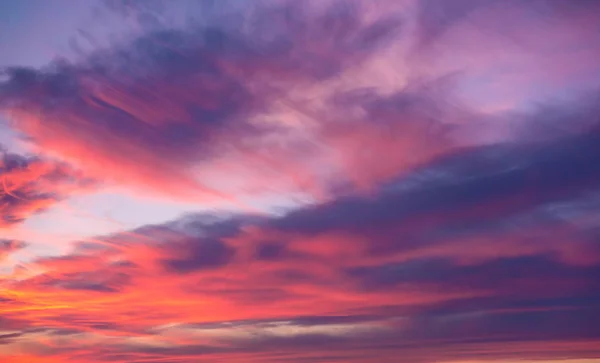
pixel 152 111
pixel 489 246
pixel 435 231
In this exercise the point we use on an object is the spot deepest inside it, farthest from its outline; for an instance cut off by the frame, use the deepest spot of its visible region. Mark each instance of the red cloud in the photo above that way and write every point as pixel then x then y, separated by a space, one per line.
pixel 486 252
pixel 29 185
pixel 170 105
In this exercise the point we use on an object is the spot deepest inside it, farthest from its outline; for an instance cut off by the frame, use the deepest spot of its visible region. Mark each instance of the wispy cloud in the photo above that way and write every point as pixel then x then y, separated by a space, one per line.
pixel 470 257
pixel 150 111
pixel 30 185
pixel 436 230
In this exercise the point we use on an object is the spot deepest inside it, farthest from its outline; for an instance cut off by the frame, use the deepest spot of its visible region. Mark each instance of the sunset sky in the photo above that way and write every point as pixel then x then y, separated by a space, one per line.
pixel 303 181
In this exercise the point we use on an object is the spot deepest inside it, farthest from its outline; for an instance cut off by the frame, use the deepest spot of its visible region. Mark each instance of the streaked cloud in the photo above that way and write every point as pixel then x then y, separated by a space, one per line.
pixel 439 170
pixel 473 256
pixel 30 185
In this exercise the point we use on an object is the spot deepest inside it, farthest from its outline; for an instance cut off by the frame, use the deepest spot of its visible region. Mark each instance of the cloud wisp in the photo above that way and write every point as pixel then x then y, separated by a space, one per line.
pixel 30 185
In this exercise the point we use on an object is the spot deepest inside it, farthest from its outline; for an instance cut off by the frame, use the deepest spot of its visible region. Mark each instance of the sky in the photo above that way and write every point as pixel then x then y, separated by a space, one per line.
pixel 316 181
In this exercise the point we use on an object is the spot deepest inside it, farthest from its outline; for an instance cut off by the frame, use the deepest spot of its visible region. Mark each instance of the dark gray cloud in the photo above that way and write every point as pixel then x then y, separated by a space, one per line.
pixel 533 276
pixel 199 254
pixel 473 190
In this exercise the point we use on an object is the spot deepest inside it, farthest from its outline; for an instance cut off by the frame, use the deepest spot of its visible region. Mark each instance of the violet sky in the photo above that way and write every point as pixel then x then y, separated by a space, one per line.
pixel 402 181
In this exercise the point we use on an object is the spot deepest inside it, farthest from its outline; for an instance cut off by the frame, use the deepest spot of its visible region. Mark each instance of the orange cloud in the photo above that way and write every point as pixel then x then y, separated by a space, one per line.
pixel 485 252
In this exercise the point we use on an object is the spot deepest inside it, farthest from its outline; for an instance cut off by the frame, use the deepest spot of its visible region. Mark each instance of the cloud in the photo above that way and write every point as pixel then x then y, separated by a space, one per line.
pixel 257 93
pixel 153 111
pixel 8 246
pixel 423 243
pixel 484 247
pixel 467 190
pixel 439 22
pixel 550 47
pixel 30 185
pixel 198 255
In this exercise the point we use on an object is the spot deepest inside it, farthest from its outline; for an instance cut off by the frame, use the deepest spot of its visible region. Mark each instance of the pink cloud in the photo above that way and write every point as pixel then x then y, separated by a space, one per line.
pixel 30 185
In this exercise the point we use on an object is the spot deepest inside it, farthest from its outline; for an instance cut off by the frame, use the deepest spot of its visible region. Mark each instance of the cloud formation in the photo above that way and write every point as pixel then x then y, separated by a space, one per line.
pixel 488 246
pixel 30 185
pixel 549 49
pixel 151 111
pixel 8 246
pixel 425 238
